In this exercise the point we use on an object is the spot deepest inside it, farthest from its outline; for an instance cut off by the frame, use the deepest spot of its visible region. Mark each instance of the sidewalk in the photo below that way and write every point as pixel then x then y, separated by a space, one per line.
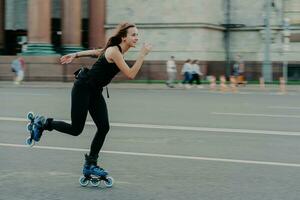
pixel 159 86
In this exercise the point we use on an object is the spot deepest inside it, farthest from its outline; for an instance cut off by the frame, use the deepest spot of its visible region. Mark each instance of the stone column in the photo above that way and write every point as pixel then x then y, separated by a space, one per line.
pixel 96 23
pixel 71 26
pixel 39 28
pixel 2 19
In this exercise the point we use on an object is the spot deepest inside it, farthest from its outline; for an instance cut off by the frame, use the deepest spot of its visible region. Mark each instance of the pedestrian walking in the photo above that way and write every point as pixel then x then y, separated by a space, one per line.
pixel 18 67
pixel 171 71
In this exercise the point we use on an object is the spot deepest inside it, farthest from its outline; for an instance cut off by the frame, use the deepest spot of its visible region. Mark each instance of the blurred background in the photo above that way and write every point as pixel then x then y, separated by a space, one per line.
pixel 264 34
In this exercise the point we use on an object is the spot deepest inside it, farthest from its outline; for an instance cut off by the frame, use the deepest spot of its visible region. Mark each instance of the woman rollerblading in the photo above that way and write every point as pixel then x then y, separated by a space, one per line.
pixel 87 95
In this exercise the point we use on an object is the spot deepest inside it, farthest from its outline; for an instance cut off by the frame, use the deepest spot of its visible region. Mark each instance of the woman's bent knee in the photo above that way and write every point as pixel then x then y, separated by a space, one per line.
pixel 104 129
pixel 77 132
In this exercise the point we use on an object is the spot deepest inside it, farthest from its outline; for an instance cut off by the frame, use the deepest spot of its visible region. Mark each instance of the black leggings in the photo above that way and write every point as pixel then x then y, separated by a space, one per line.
pixel 84 99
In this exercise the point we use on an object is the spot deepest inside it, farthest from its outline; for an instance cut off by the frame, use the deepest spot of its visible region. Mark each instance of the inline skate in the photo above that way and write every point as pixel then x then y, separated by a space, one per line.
pixel 94 174
pixel 35 127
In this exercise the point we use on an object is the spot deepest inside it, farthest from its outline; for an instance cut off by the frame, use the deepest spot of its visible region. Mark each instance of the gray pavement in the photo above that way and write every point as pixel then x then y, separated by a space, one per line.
pixel 163 144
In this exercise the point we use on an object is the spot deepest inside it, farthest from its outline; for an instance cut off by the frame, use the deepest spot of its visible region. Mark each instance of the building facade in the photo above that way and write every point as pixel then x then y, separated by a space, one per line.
pixel 266 34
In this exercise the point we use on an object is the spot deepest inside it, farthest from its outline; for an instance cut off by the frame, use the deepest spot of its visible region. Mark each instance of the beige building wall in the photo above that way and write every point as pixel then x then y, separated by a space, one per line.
pixel 192 29
pixel 185 29
pixel 169 11
pixel 292 10
pixel 249 40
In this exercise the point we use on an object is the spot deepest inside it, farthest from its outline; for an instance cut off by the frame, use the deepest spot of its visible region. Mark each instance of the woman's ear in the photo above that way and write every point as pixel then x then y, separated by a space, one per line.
pixel 124 38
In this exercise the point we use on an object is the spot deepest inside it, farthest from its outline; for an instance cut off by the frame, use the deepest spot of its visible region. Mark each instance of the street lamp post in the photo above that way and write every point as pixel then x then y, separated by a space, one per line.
pixel 285 46
pixel 267 66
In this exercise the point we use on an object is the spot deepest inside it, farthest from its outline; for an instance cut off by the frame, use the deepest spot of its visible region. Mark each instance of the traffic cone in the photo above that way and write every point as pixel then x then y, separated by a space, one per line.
pixel 282 85
pixel 223 86
pixel 262 83
pixel 233 84
pixel 212 83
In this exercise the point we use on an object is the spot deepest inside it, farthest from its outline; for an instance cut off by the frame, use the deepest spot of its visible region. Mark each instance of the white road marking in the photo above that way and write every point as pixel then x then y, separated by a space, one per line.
pixel 24 94
pixel 207 129
pixel 160 155
pixel 178 128
pixel 256 115
pixel 13 119
pixel 284 107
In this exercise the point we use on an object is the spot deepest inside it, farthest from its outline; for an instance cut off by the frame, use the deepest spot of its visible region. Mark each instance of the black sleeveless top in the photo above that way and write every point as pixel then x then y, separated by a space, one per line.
pixel 102 72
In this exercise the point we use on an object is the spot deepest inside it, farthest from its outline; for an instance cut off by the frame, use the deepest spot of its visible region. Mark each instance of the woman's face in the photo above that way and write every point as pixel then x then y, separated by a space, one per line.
pixel 132 37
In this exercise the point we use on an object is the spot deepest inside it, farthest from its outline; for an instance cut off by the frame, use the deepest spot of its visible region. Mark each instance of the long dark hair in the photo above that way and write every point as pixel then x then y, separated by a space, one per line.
pixel 119 33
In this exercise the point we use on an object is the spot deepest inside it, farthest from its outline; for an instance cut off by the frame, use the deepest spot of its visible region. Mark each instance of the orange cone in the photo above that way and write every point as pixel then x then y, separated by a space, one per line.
pixel 262 83
pixel 282 85
pixel 212 83
pixel 233 84
pixel 223 86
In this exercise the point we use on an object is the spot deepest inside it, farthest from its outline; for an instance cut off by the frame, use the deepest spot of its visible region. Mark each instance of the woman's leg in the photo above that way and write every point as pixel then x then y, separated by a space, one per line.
pixel 99 114
pixel 79 108
pixel 185 80
pixel 192 79
pixel 197 79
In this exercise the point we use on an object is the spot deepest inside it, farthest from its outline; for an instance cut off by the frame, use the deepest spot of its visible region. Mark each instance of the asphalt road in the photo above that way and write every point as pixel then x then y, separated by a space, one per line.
pixel 163 144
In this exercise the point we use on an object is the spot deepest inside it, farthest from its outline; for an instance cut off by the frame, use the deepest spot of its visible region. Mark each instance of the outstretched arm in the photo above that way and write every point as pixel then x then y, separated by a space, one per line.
pixel 66 59
pixel 117 57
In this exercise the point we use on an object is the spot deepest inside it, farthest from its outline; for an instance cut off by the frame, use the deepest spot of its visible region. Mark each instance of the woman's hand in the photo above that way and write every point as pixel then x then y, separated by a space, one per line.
pixel 146 48
pixel 66 59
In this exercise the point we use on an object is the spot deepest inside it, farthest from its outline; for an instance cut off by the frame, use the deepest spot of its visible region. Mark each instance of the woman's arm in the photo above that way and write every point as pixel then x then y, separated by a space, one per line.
pixel 88 53
pixel 115 55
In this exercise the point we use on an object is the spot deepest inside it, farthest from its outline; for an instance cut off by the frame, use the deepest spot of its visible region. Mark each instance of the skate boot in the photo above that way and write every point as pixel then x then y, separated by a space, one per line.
pixel 94 174
pixel 36 126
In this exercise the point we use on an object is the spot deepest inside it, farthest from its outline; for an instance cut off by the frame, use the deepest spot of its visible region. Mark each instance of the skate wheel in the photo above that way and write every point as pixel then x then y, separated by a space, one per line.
pixel 83 181
pixel 30 116
pixel 30 142
pixel 29 127
pixel 109 182
pixel 95 182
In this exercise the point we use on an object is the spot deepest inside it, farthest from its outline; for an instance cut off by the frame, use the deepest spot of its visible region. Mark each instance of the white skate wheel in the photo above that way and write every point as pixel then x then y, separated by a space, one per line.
pixel 29 127
pixel 109 182
pixel 83 181
pixel 95 182
pixel 30 142
pixel 30 115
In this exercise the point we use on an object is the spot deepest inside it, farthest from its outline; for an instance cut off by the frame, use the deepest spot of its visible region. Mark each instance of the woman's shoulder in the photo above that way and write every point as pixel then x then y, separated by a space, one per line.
pixel 111 52
pixel 113 49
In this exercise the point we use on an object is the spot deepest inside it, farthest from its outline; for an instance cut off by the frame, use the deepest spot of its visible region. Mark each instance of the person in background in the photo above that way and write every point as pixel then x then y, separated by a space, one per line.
pixel 196 74
pixel 171 71
pixel 239 67
pixel 18 67
pixel 187 73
